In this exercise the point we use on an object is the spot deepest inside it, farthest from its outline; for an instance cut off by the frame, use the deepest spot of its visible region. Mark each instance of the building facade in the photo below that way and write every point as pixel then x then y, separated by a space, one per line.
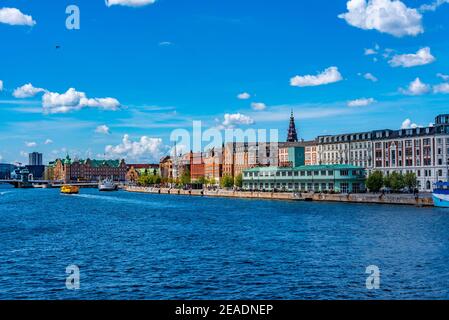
pixel 321 178
pixel 239 156
pixel 423 151
pixel 213 165
pixel 134 171
pixel 88 170
pixel 35 159
pixel 6 170
pixel 197 165
pixel 353 149
pixel 166 168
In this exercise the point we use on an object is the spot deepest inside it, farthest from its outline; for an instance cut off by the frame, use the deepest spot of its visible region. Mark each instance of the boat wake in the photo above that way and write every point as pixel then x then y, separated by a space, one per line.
pixel 117 199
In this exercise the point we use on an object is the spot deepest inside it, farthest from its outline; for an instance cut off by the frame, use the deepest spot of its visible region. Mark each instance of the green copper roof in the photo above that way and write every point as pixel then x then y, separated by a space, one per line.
pixel 308 168
pixel 102 163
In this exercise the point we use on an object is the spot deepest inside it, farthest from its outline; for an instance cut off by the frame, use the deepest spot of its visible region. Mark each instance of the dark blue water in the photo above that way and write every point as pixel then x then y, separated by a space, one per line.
pixel 138 246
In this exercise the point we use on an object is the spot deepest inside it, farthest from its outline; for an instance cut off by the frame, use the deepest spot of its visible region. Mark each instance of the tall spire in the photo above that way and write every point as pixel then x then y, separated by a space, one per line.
pixel 292 135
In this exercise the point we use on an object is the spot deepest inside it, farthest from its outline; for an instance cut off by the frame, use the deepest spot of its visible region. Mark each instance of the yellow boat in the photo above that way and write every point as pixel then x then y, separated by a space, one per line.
pixel 66 189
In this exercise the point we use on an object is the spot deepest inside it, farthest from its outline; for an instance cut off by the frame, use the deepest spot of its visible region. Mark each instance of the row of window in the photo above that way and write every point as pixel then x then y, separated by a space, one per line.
pixel 305 187
pixel 302 173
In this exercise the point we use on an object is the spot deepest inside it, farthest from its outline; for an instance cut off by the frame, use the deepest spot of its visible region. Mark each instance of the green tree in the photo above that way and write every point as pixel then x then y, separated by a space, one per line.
pixel 238 181
pixel 157 179
pixel 410 180
pixel 375 181
pixel 226 181
pixel 185 178
pixel 397 181
pixel 202 180
pixel 387 181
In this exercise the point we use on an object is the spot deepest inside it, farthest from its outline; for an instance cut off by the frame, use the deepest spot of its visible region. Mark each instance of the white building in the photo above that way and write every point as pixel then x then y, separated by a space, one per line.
pixel 353 149
pixel 424 151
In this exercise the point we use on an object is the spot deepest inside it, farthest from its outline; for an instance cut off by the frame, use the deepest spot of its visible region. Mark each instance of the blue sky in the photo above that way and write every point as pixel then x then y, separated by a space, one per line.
pixel 163 65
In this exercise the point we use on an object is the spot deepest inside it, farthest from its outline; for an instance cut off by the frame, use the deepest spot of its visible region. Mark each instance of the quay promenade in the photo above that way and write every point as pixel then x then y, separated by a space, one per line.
pixel 423 200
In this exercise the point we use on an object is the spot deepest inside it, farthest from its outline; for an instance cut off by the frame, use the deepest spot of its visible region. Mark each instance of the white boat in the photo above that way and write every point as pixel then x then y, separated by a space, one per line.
pixel 107 185
pixel 441 195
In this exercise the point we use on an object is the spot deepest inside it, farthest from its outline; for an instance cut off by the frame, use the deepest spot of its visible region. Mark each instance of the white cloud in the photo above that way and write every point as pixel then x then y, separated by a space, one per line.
pixel 145 149
pixel 15 17
pixel 420 58
pixel 73 100
pixel 416 88
pixel 31 144
pixel 441 88
pixel 407 124
pixel 1 85
pixel 370 52
pixel 1 158
pixel 48 141
pixel 244 96
pixel 361 102
pixel 371 77
pixel 330 75
pixel 129 3
pixel 258 106
pixel 433 6
pixel 445 77
pixel 386 16
pixel 23 154
pixel 103 129
pixel 232 121
pixel 27 91
pixel 165 43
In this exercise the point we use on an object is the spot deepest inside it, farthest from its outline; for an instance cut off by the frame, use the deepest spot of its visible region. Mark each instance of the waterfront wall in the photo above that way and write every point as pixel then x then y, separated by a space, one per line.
pixel 398 199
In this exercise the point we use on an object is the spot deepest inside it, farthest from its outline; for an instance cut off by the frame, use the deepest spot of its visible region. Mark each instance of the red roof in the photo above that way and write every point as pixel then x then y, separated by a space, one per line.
pixel 143 166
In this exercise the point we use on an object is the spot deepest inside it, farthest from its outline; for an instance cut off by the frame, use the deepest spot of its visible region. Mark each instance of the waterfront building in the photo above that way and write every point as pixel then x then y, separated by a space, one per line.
pixel 166 167
pixel 310 152
pixel 423 151
pixel 196 165
pixel 239 156
pixel 36 172
pixel 134 171
pixel 35 159
pixel 352 148
pixel 291 154
pixel 342 178
pixel 6 170
pixel 213 164
pixel 88 170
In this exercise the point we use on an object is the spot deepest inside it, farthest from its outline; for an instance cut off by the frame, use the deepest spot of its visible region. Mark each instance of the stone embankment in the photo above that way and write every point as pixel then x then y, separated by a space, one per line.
pixel 423 200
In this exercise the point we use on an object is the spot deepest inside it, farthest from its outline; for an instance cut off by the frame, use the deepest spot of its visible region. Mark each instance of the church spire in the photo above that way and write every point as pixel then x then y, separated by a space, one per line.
pixel 292 135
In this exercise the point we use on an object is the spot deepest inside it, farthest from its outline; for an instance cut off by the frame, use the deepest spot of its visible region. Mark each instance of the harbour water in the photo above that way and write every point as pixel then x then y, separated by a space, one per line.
pixel 143 246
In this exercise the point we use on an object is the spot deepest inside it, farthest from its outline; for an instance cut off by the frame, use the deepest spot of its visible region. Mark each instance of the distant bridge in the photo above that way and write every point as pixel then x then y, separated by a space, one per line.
pixel 47 183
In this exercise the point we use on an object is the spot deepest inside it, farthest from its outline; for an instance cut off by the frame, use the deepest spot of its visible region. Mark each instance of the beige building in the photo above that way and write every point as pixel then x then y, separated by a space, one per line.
pixel 354 149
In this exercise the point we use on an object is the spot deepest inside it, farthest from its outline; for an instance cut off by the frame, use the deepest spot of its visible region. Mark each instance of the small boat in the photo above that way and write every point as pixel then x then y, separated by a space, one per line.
pixel 67 189
pixel 107 185
pixel 441 194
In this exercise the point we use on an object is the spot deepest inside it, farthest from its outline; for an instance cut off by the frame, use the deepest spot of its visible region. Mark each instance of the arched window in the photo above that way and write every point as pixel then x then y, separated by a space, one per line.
pixel 428 185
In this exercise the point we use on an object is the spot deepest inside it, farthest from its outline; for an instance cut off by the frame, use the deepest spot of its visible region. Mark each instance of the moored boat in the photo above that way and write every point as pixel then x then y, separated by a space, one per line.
pixel 441 195
pixel 107 185
pixel 68 189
